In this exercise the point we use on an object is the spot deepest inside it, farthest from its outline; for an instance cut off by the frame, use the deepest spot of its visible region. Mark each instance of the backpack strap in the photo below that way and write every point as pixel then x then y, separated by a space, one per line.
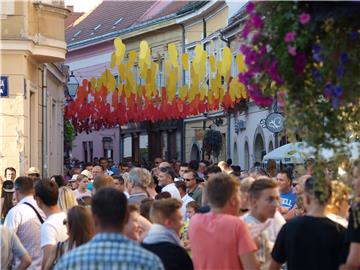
pixel 37 213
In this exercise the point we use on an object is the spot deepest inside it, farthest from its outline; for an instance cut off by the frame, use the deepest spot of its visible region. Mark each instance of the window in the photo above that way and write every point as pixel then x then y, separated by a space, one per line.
pixel 85 151
pixel 117 22
pixel 108 147
pixel 90 150
pixel 97 27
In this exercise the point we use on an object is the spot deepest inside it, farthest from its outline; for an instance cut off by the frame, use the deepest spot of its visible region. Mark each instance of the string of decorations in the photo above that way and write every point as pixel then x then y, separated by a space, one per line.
pixel 104 102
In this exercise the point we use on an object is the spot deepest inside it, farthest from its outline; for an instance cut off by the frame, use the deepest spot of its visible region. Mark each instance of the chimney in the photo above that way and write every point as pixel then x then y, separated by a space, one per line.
pixel 71 8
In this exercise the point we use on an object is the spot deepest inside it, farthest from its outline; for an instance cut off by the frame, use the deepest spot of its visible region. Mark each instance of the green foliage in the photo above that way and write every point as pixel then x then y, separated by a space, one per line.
pixel 212 142
pixel 323 100
pixel 69 134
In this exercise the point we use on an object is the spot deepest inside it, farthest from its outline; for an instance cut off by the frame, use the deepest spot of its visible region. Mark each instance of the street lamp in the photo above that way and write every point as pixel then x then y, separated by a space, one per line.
pixel 72 85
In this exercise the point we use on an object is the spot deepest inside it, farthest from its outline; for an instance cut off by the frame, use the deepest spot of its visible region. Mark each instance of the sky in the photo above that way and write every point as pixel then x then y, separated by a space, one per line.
pixel 82 5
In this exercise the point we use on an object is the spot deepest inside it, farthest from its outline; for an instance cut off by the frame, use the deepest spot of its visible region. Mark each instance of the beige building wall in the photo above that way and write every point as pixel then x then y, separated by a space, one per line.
pixel 32 38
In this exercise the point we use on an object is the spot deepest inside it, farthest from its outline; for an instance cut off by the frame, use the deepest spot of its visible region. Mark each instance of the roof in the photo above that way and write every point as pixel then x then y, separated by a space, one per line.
pixel 73 16
pixel 117 16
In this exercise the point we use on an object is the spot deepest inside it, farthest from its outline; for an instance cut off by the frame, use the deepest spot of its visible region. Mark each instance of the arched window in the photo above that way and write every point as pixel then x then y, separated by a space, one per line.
pixel 235 155
pixel 246 156
pixel 258 148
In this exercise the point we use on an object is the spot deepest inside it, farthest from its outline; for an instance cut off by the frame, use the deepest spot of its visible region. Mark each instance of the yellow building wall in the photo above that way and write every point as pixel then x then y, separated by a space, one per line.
pixel 21 123
pixel 214 23
pixel 194 32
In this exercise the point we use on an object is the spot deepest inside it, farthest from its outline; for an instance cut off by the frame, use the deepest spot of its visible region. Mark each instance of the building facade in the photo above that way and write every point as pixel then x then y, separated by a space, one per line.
pixel 90 44
pixel 204 26
pixel 32 85
pixel 249 141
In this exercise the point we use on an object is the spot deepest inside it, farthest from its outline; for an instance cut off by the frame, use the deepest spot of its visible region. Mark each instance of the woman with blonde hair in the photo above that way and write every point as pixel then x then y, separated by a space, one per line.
pixel 66 199
pixel 80 228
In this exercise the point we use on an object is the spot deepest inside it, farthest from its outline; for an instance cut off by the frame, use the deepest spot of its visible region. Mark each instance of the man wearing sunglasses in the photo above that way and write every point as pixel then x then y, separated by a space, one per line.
pixel 193 188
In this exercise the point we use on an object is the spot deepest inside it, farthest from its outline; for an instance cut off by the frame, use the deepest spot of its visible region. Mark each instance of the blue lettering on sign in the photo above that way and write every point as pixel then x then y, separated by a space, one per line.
pixel 4 86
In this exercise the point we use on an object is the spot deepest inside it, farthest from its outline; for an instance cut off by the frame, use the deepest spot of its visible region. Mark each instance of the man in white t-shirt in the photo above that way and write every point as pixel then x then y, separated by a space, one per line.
pixel 53 230
pixel 181 186
pixel 25 220
pixel 264 199
pixel 166 180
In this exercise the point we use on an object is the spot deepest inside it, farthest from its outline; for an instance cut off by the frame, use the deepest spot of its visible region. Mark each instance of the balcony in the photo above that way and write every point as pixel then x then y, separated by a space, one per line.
pixel 36 27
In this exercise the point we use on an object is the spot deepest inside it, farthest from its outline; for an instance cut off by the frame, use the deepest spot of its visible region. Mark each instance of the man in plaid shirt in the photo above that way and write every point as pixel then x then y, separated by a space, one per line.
pixel 109 249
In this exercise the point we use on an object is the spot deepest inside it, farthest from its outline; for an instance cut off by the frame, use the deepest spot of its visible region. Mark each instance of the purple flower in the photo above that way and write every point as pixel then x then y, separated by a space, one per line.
pixel 292 50
pixel 340 71
pixel 304 18
pixel 335 102
pixel 290 36
pixel 337 91
pixel 245 31
pixel 316 49
pixel 344 58
pixel 250 7
pixel 328 91
pixel 256 21
pixel 316 75
pixel 255 36
pixel 300 63
pixel 353 35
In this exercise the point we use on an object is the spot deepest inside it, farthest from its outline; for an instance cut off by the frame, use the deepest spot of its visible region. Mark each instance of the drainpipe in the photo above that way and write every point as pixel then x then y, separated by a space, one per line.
pixel 183 81
pixel 204 121
pixel 45 124
pixel 229 115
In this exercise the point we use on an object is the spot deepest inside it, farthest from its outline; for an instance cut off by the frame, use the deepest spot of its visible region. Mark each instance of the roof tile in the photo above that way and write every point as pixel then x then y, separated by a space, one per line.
pixel 131 12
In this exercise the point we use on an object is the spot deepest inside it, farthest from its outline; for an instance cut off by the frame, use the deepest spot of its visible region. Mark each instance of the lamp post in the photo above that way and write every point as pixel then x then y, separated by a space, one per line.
pixel 72 85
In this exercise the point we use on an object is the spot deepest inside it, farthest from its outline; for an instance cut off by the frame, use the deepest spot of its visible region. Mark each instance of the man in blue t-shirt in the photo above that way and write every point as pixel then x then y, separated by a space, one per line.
pixel 287 196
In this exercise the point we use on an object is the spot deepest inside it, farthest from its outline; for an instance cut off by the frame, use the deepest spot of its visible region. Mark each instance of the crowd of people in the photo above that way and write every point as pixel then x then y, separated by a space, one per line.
pixel 176 215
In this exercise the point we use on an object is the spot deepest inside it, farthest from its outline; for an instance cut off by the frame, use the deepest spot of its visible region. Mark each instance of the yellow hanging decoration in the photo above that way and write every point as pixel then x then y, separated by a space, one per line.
pixel 120 49
pixel 143 49
pixel 185 61
pixel 132 58
pixel 226 61
pixel 198 54
pixel 240 63
pixel 233 90
pixel 173 55
pixel 122 70
pixel 212 64
pixel 242 90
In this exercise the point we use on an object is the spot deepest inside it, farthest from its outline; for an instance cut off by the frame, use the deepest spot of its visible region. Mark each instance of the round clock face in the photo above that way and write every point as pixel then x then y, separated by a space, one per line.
pixel 275 122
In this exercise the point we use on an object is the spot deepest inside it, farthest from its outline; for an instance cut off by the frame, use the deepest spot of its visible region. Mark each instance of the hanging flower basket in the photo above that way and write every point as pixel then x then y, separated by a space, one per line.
pixel 308 51
pixel 212 142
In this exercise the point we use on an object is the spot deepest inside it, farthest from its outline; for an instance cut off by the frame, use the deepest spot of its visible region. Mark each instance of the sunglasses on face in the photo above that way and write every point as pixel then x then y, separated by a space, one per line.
pixel 187 179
